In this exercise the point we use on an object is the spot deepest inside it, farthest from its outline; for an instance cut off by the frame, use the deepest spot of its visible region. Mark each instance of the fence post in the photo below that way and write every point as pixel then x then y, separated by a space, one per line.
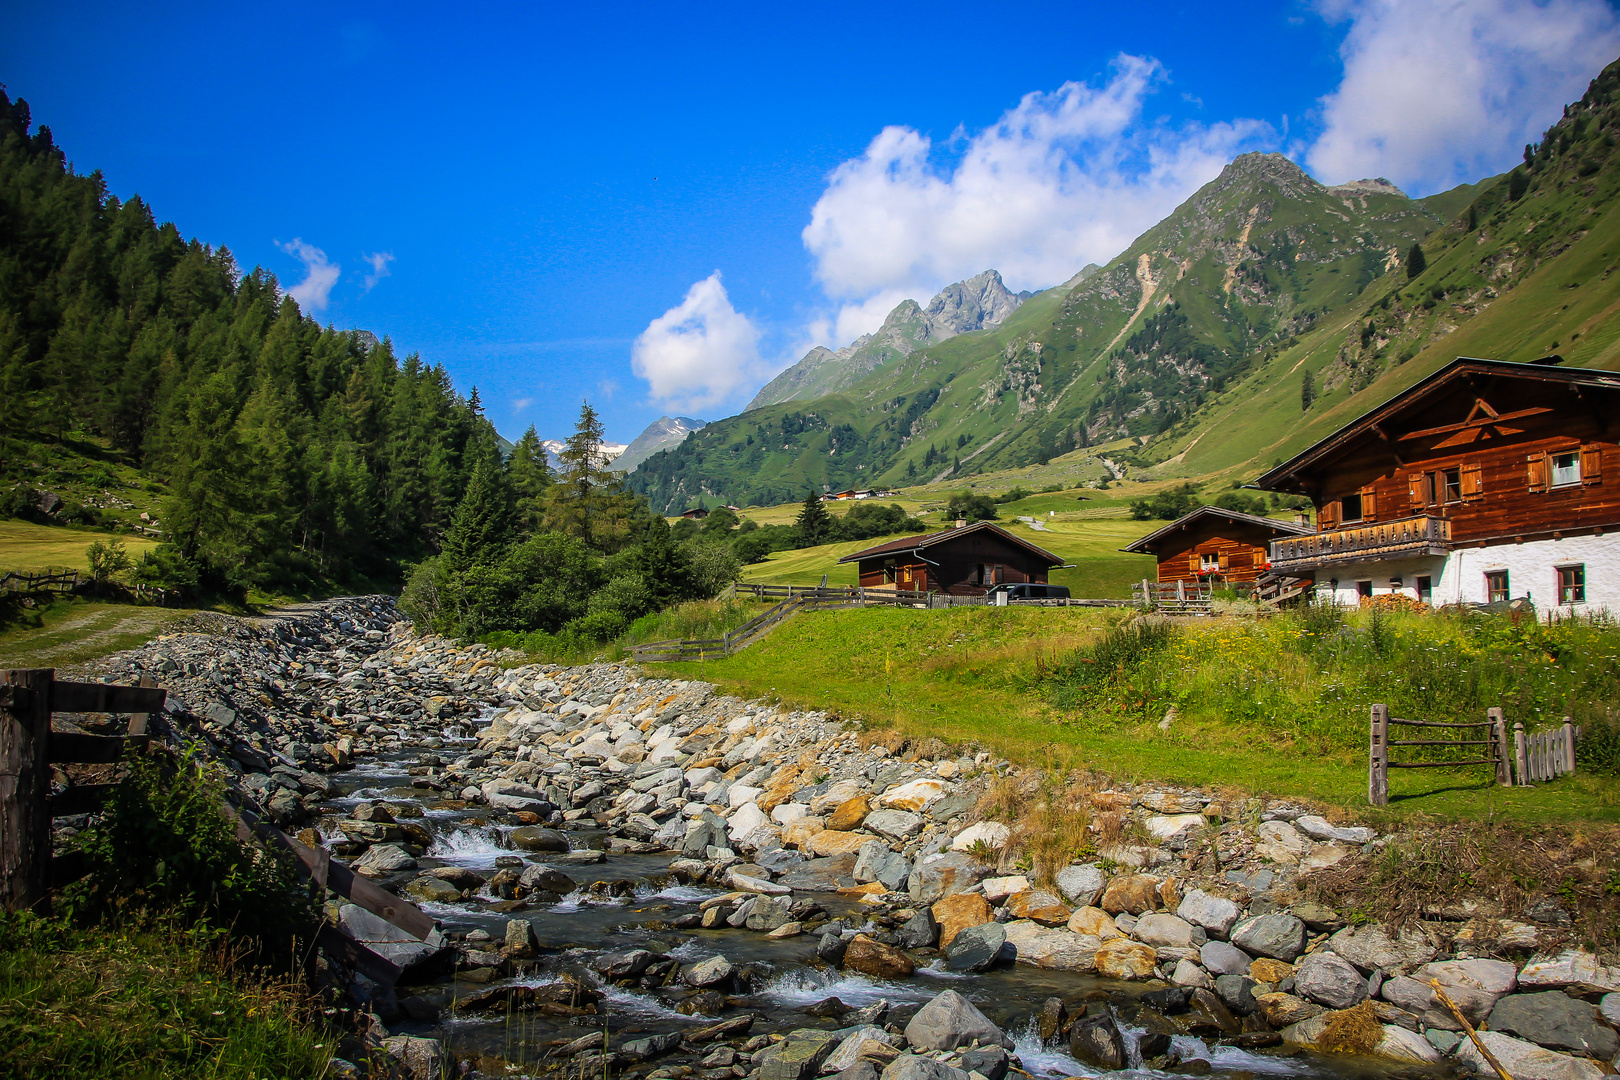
pixel 1521 754
pixel 1378 758
pixel 1499 741
pixel 1569 745
pixel 25 778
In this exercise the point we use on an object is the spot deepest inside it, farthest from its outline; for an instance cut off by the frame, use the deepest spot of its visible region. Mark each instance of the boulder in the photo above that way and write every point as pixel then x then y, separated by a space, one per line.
pixel 420 1059
pixel 1332 1030
pixel 1096 1041
pixel 1323 856
pixel 943 875
pixel 875 862
pixel 976 947
pixel 912 1067
pixel 1163 826
pixel 1493 977
pixel 877 959
pixel 1573 968
pixel 1281 843
pixel 1096 922
pixel 714 971
pixel 828 842
pixel 893 824
pixel 918 932
pixel 1186 973
pixel 992 834
pixel 956 913
pixel 997 889
pixel 429 889
pixel 745 819
pixel 1277 935
pixel 1283 1010
pixel 1557 1021
pixel 797 1057
pixel 533 838
pixel 1122 958
pixel 1328 979
pixel 545 879
pixel 1221 958
pixel 1038 905
pixel 1168 931
pixel 1236 993
pixel 1319 828
pixel 1266 970
pixel 821 875
pixel 1131 894
pixel 708 830
pixel 1081 885
pixel 650 1047
pixel 850 1051
pixel 1418 998
pixel 849 814
pixel 768 913
pixel 913 796
pixel 1058 950
pixel 949 1021
pixel 749 883
pixel 1206 1011
pixel 1372 948
pixel 383 859
pixel 990 1062
pixel 625 963
pixel 1525 1060
pixel 836 796
pixel 1215 914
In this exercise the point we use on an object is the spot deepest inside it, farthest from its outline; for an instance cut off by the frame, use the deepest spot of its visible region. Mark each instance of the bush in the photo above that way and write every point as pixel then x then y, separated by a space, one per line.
pixel 966 507
pixel 1167 505
pixel 165 567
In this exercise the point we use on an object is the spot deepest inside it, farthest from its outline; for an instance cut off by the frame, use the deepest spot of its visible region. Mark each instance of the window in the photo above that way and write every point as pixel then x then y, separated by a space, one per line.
pixel 1351 507
pixel 1363 590
pixel 1209 561
pixel 1496 586
pixel 1425 588
pixel 1444 486
pixel 1566 469
pixel 1572 584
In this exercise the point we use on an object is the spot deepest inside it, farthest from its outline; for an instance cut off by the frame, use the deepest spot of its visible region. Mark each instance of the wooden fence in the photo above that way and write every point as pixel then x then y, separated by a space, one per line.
pixel 57 581
pixel 804 598
pixel 28 748
pixel 1173 597
pixel 1525 759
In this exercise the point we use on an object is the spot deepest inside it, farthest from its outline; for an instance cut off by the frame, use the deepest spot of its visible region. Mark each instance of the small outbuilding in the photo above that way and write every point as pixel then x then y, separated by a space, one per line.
pixel 966 561
pixel 697 513
pixel 1211 543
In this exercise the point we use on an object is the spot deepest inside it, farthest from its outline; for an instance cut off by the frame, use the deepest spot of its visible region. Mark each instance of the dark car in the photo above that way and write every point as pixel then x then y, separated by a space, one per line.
pixel 1030 590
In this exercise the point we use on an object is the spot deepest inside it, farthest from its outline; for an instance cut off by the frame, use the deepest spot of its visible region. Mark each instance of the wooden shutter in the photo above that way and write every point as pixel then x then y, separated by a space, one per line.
pixel 1327 515
pixel 1536 470
pixel 1414 490
pixel 1369 503
pixel 1591 464
pixel 1194 564
pixel 1225 563
pixel 1473 482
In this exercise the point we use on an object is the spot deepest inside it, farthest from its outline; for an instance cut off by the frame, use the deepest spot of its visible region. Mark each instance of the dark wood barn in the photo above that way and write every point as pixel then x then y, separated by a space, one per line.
pixel 1212 543
pixel 962 562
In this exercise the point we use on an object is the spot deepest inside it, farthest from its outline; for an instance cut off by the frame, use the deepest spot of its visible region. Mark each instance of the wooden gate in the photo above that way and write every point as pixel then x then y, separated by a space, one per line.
pixel 1495 753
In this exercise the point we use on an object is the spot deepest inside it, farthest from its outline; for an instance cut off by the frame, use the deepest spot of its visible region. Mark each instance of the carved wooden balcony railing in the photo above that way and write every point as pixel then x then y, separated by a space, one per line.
pixel 1423 534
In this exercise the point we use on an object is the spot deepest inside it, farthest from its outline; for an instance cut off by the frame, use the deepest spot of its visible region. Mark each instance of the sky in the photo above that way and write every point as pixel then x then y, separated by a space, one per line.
pixel 657 208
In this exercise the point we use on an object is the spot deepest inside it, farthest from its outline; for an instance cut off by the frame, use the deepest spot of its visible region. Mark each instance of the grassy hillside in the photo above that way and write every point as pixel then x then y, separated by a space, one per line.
pixel 26 546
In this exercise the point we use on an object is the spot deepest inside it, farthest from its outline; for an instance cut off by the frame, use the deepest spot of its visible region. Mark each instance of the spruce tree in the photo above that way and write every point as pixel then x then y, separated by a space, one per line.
pixel 579 500
pixel 482 524
pixel 530 477
pixel 813 522
pixel 1415 262
pixel 1307 392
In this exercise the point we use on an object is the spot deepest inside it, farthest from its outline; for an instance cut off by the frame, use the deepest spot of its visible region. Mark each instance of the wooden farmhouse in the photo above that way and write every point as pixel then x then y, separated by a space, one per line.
pixel 966 561
pixel 697 513
pixel 1485 482
pixel 1212 544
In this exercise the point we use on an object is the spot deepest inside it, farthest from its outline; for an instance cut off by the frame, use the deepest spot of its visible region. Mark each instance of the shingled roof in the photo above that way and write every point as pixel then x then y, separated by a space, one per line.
pixel 924 540
pixel 1147 544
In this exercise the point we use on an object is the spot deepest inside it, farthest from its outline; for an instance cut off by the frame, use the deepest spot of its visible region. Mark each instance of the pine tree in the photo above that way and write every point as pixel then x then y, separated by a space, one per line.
pixel 530 477
pixel 813 522
pixel 1307 392
pixel 1415 262
pixel 482 524
pixel 581 498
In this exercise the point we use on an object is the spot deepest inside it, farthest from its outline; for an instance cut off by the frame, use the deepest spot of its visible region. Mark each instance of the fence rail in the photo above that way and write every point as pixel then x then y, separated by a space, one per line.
pixel 1525 760
pixel 59 581
pixel 1173 597
pixel 28 747
pixel 1416 535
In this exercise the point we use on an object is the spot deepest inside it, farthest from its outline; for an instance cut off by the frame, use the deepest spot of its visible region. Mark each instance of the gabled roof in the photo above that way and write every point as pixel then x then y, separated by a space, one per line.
pixel 1147 544
pixel 1287 476
pixel 927 540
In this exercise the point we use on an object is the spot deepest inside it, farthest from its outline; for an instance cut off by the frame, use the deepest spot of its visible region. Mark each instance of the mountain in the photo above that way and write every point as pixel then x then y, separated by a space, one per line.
pixel 979 303
pixel 610 451
pixel 661 434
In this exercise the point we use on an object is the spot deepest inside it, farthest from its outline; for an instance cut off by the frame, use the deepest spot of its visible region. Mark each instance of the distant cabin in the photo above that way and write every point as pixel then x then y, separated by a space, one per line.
pixel 853 493
pixel 697 513
pixel 1212 543
pixel 966 561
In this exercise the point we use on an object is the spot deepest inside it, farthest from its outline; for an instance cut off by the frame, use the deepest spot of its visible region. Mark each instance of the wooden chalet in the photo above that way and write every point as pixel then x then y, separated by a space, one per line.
pixel 1485 482
pixel 966 561
pixel 697 513
pixel 1212 544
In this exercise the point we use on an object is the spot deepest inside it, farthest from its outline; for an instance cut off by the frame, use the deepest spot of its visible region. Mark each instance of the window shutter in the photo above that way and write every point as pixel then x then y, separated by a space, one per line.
pixel 1369 503
pixel 1327 515
pixel 1536 470
pixel 1591 464
pixel 1414 490
pixel 1225 562
pixel 1194 564
pixel 1473 482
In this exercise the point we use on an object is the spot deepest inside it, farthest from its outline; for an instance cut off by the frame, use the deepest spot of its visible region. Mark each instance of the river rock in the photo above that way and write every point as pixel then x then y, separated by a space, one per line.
pixel 1574 968
pixel 913 796
pixel 1038 905
pixel 768 913
pixel 704 974
pixel 797 1057
pixel 1328 979
pixel 939 876
pixel 1059 950
pixel 875 862
pixel 1320 828
pixel 828 842
pixel 893 824
pixel 1164 826
pixel 1082 885
pixel 1281 843
pixel 1283 1010
pixel 421 1059
pixel 975 948
pixel 531 838
pixel 822 875
pixel 850 1050
pixel 1372 948
pixel 918 932
pixel 382 860
pixel 1095 922
pixel 1122 958
pixel 1221 958
pixel 1609 1006
pixel 1168 931
pixel 1277 935
pixel 1130 894
pixel 1417 997
pixel 835 796
pixel 745 819
pixel 877 959
pixel 1215 914
pixel 849 814
pixel 1493 977
pixel 992 834
pixel 748 883
pixel 1097 1042
pixel 912 1067
pixel 998 889
pixel 1557 1021
pixel 428 889
pixel 545 879
pixel 1186 973
pixel 1525 1060
pixel 624 963
pixel 956 913
pixel 1236 993
pixel 990 1062
pixel 949 1021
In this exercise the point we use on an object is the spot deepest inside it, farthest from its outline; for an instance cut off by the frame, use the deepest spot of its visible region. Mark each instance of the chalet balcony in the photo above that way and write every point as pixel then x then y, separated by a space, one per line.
pixel 1406 537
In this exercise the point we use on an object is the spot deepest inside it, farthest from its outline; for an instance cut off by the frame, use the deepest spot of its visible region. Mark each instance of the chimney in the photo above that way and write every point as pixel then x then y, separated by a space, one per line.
pixel 961 523
pixel 1302 519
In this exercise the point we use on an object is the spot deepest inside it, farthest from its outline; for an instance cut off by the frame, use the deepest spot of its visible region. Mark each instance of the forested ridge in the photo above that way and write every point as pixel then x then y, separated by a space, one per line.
pixel 293 453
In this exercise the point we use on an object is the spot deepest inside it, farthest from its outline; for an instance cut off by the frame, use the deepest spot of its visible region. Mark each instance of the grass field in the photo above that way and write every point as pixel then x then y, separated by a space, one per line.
pixel 26 546
pixel 971 675
pixel 71 632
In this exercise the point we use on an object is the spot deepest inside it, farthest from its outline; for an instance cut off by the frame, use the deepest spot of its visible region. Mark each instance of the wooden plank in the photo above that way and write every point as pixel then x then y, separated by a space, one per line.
pixel 79 799
pixel 1521 754
pixel 1504 753
pixel 336 943
pixel 1378 757
pixel 1439 742
pixel 25 777
pixel 92 749
pixel 1439 764
pixel 1439 723
pixel 105 698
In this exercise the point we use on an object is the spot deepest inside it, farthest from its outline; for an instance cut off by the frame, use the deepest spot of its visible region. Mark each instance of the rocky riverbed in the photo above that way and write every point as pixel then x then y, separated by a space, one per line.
pixel 642 876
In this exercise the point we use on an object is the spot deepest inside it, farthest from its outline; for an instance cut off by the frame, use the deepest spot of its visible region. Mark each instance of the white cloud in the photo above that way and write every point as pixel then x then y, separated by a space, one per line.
pixel 379 267
pixel 315 290
pixel 1062 179
pixel 522 403
pixel 1442 93
pixel 700 353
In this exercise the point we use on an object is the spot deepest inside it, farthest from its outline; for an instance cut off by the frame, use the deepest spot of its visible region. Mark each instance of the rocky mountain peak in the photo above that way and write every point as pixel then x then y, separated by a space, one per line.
pixel 1375 186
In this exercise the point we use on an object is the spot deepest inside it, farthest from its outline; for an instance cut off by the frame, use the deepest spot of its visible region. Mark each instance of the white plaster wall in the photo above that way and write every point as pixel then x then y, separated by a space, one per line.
pixel 1460 576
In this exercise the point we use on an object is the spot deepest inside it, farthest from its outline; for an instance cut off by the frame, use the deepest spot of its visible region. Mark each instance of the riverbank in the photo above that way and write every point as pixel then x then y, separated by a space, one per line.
pixel 681 882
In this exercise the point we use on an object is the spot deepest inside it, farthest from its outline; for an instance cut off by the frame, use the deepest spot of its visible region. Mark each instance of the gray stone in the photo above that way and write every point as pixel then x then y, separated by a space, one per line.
pixel 545 879
pixel 432 890
pixel 1418 998
pixel 1186 973
pixel 1096 1041
pixel 422 1059
pixel 1278 935
pixel 1493 977
pixel 976 947
pixel 624 963
pixel 1443 1041
pixel 875 862
pixel 894 824
pixel 706 973
pixel 1322 829
pixel 768 913
pixel 384 859
pixel 1168 931
pixel 709 832
pixel 389 941
pixel 849 1050
pixel 1557 1021
pixel 532 838
pixel 1083 885
pixel 797 1057
pixel 1372 948
pixel 1609 1006
pixel 1215 914
pixel 944 875
pixel 919 932
pixel 1220 958
pixel 861 1070
pixel 990 1062
pixel 912 1067
pixel 950 1021
pixel 1328 979
pixel 822 875
pixel 651 1046
pixel 1525 1060
pixel 1236 993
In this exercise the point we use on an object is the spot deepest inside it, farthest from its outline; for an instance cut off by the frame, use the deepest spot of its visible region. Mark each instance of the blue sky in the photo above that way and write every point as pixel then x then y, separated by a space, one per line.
pixel 659 208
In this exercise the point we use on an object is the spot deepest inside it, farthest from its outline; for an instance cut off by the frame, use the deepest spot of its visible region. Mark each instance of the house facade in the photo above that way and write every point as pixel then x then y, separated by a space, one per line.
pixel 1485 482
pixel 966 561
pixel 1212 544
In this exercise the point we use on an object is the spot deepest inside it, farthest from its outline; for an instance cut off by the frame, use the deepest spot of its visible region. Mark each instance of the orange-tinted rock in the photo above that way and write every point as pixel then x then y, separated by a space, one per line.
pixel 1133 893
pixel 1270 971
pixel 1170 894
pixel 1123 958
pixel 1039 906
pixel 831 842
pixel 798 833
pixel 877 959
pixel 849 814
pixel 956 913
pixel 1094 921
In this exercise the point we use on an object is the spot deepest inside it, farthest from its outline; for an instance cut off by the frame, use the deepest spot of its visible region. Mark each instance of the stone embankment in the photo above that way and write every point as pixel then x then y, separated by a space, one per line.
pixel 1183 924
